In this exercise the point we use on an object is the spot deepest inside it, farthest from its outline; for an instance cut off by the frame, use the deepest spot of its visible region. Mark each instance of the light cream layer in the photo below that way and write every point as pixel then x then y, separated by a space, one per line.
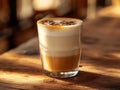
pixel 57 38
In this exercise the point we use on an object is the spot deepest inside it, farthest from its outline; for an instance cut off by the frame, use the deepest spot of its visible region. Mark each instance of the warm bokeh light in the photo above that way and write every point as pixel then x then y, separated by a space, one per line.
pixel 91 11
pixel 42 5
pixel 116 3
pixel 24 9
pixel 111 11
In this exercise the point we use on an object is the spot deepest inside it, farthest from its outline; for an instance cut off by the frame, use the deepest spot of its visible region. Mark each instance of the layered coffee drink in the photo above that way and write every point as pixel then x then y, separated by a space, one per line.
pixel 59 41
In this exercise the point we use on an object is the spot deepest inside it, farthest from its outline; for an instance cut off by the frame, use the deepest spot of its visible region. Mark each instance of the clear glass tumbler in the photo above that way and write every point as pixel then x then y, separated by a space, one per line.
pixel 59 42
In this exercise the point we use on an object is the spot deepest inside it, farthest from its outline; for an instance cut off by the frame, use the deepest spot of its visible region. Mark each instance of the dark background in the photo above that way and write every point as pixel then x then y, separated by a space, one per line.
pixel 16 29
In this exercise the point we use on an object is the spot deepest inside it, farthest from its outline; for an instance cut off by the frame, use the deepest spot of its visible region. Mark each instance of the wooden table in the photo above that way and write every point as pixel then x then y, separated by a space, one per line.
pixel 20 68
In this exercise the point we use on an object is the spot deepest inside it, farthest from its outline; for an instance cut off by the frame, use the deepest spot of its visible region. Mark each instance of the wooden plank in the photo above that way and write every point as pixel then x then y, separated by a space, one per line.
pixel 99 67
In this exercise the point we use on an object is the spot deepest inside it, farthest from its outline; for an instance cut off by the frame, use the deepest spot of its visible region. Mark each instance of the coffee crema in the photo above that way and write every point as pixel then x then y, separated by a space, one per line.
pixel 57 23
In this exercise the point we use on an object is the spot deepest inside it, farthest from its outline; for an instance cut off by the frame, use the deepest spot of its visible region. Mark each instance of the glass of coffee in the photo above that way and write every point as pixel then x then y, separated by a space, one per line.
pixel 59 42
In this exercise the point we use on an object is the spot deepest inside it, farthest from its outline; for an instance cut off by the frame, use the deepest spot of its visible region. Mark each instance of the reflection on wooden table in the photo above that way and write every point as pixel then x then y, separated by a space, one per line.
pixel 99 67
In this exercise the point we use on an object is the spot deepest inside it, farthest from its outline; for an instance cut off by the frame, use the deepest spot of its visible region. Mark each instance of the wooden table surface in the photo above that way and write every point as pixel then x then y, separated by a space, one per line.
pixel 20 68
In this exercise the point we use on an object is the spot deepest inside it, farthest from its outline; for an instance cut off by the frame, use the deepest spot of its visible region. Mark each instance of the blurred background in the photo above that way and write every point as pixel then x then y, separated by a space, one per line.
pixel 18 17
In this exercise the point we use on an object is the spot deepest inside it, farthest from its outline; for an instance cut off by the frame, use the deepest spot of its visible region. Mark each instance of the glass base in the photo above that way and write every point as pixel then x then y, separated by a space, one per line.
pixel 62 74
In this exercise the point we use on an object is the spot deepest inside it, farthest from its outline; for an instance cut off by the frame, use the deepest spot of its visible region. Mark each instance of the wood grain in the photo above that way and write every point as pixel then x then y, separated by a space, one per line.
pixel 20 69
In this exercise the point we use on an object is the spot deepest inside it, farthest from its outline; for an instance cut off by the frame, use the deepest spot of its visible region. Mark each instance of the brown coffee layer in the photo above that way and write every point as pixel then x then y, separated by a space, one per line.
pixel 60 64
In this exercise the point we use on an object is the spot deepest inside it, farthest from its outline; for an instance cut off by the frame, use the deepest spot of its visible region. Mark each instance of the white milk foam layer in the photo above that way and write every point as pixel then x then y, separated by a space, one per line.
pixel 59 41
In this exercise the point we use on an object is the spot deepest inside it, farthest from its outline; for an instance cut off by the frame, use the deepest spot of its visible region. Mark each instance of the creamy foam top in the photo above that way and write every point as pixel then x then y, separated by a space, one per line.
pixel 59 26
pixel 59 34
pixel 58 22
